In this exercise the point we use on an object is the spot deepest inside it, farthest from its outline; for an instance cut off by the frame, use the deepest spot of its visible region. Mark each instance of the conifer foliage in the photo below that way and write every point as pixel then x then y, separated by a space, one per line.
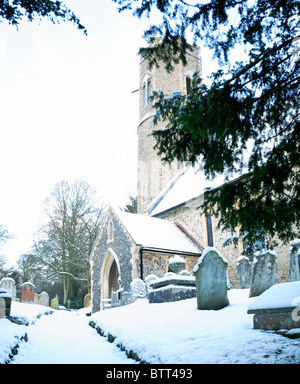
pixel 246 120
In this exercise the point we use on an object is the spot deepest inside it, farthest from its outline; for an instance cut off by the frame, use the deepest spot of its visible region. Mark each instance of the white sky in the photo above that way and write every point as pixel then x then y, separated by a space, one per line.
pixel 67 112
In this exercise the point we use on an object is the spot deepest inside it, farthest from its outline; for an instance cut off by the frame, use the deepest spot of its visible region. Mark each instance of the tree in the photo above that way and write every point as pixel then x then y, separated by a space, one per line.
pixel 246 121
pixel 64 243
pixel 131 206
pixel 14 11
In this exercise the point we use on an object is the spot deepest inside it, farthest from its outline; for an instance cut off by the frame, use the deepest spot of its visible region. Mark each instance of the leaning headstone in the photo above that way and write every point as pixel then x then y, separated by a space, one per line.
pixel 44 299
pixel 243 267
pixel 294 259
pixel 138 289
pixel 264 272
pixel 27 293
pixel 8 284
pixel 211 280
pixel 54 303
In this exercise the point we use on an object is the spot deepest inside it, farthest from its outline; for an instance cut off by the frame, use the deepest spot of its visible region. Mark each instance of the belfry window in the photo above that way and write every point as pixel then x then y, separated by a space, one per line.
pixel 188 85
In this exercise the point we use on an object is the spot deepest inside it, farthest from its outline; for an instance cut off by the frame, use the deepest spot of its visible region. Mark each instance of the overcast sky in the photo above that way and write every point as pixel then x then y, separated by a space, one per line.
pixel 67 112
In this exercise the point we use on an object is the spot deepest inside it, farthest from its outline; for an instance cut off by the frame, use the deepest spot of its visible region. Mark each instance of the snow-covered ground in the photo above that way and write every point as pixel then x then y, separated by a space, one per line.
pixel 158 333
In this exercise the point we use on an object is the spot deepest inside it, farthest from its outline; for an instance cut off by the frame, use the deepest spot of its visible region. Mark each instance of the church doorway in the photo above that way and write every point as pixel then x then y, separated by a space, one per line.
pixel 109 277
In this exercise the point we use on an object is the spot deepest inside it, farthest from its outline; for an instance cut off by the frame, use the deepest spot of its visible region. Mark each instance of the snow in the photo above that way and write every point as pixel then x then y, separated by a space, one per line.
pixel 156 233
pixel 283 295
pixel 178 333
pixel 205 252
pixel 167 333
pixel 189 185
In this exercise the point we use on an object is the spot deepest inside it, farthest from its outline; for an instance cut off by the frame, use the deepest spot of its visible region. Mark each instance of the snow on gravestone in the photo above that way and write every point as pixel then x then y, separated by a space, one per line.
pixel 264 272
pixel 8 284
pixel 44 299
pixel 138 289
pixel 211 280
pixel 27 293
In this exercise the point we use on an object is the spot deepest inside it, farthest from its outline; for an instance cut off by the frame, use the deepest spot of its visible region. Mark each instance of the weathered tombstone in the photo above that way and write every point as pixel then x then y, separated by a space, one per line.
pixel 27 293
pixel 264 272
pixel 8 284
pixel 87 300
pixel 44 299
pixel 54 303
pixel 138 289
pixel 5 303
pixel 294 258
pixel 2 308
pixel 36 298
pixel 243 267
pixel 211 280
pixel 176 264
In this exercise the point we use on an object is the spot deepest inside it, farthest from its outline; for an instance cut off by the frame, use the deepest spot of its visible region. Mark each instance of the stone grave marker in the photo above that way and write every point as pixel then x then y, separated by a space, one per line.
pixel 27 293
pixel 44 299
pixel 211 280
pixel 244 272
pixel 264 272
pixel 54 303
pixel 294 259
pixel 2 308
pixel 176 264
pixel 9 285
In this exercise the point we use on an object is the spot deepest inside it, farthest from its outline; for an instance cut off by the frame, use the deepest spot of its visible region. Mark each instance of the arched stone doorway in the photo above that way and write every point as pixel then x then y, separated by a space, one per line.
pixel 109 277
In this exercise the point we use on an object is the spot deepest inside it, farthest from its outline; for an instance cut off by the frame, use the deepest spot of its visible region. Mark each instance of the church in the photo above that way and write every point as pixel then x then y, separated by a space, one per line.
pixel 169 220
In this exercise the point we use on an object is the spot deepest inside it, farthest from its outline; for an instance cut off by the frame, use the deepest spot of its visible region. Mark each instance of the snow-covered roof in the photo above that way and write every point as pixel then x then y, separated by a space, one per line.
pixel 189 185
pixel 150 232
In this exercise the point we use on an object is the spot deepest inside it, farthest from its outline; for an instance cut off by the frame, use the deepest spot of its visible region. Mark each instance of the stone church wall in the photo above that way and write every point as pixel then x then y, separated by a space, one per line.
pixel 158 263
pixel 190 217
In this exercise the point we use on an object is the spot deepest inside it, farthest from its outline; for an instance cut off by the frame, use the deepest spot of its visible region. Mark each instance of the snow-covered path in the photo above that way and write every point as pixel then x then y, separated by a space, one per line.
pixel 65 337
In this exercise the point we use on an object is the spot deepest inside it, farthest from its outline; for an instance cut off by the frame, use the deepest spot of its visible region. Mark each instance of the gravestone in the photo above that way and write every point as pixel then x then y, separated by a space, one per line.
pixel 27 293
pixel 294 260
pixel 5 303
pixel 2 308
pixel 211 280
pixel 54 303
pixel 138 289
pixel 87 300
pixel 277 308
pixel 243 267
pixel 8 284
pixel 264 272
pixel 44 299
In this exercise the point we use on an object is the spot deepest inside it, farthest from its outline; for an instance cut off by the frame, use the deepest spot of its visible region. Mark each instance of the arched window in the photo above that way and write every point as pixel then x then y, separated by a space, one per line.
pixel 209 231
pixel 149 90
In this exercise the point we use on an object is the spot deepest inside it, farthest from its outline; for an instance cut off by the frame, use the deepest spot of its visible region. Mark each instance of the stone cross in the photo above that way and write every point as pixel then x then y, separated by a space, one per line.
pixel 211 280
pixel 264 272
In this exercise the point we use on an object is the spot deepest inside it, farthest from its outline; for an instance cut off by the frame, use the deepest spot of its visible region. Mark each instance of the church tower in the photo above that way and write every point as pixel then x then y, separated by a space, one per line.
pixel 153 174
